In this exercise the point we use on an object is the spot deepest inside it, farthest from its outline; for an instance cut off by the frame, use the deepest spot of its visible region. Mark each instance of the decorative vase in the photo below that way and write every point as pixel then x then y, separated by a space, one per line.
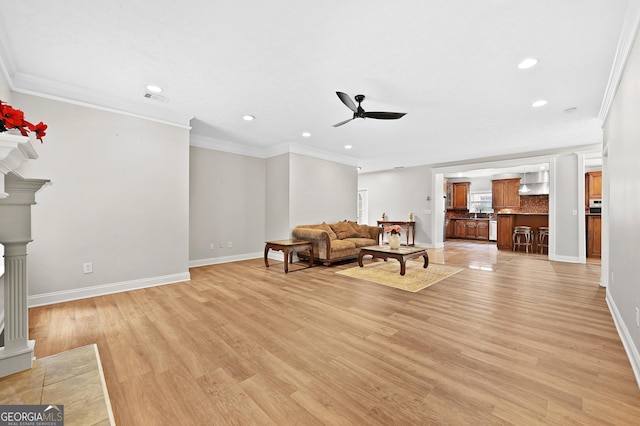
pixel 394 241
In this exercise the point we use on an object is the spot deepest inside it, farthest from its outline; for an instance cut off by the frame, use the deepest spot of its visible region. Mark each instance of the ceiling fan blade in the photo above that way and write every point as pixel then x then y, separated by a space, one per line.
pixel 347 101
pixel 342 122
pixel 384 115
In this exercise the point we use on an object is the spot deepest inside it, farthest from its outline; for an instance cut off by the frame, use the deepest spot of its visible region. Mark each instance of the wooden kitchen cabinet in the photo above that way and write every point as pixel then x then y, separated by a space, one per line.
pixel 450 228
pixel 482 230
pixel 592 187
pixel 594 236
pixel 505 194
pixel 470 229
pixel 505 232
pixel 460 196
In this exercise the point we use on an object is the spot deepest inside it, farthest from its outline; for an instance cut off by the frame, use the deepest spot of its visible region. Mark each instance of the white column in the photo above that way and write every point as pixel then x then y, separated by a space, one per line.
pixel 17 354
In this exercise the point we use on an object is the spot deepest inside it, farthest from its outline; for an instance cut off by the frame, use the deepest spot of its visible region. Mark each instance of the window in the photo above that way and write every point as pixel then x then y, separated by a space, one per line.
pixel 480 202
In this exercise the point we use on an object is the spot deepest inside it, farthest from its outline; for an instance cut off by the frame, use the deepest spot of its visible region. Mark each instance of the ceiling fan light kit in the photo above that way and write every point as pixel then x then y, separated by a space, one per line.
pixel 359 112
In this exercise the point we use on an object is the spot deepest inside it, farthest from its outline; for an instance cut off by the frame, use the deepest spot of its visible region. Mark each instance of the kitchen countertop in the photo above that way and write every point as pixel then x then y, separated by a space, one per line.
pixel 524 214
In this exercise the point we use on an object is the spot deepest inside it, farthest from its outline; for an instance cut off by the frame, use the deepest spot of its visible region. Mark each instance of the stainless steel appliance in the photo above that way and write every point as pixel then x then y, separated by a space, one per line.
pixel 595 206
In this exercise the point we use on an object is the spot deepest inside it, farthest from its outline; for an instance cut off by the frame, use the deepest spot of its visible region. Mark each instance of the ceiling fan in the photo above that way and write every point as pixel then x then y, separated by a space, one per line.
pixel 358 112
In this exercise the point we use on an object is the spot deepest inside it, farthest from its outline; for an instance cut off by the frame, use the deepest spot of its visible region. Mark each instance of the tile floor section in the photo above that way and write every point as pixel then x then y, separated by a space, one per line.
pixel 73 379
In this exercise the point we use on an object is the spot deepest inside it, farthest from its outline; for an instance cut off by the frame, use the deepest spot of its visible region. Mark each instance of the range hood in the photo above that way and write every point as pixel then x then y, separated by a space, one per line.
pixel 536 183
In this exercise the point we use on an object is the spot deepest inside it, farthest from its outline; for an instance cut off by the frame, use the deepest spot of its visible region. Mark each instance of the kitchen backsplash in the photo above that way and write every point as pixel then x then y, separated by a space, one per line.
pixel 534 204
pixel 528 204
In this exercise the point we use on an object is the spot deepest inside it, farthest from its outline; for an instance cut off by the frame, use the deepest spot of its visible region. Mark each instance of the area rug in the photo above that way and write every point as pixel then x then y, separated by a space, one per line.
pixel 416 278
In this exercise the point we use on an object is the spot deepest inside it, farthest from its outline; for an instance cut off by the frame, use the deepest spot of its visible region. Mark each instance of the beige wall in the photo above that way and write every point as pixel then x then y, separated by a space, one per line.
pixel 118 199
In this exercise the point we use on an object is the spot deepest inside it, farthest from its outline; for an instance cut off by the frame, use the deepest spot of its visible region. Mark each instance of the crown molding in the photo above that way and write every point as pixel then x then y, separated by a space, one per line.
pixel 625 44
pixel 240 149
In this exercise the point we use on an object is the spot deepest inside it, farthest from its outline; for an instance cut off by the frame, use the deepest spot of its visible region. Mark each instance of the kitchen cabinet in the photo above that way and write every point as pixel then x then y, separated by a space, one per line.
pixel 506 222
pixel 504 194
pixel 592 187
pixel 449 195
pixel 594 236
pixel 458 196
pixel 482 230
pixel 475 229
pixel 450 228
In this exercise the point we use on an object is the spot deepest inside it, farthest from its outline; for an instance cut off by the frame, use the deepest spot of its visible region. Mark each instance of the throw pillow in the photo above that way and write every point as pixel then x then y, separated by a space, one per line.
pixel 326 228
pixel 362 230
pixel 344 230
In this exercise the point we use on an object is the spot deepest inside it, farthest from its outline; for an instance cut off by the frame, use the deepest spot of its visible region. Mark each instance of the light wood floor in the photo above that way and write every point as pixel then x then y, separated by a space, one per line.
pixel 512 339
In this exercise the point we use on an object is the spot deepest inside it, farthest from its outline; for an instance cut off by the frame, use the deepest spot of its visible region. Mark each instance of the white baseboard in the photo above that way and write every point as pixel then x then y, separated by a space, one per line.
pixel 235 258
pixel 627 341
pixel 101 290
pixel 568 259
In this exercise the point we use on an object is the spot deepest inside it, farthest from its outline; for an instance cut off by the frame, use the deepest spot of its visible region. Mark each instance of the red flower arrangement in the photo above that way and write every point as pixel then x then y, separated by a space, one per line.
pixel 393 229
pixel 11 118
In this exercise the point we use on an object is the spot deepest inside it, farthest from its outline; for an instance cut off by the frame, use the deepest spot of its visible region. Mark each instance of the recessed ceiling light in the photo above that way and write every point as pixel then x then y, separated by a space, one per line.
pixel 306 134
pixel 539 103
pixel 348 147
pixel 527 63
pixel 248 117
pixel 154 89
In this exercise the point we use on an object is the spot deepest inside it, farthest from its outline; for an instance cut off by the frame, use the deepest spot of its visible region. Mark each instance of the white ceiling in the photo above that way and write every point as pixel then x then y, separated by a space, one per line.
pixel 451 65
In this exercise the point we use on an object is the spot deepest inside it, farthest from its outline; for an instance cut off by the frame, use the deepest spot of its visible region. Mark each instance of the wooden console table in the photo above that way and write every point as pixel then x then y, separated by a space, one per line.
pixel 410 229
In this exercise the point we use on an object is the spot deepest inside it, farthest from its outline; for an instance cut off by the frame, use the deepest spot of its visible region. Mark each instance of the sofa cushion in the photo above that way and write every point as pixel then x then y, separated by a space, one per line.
pixel 326 228
pixel 362 242
pixel 362 230
pixel 339 245
pixel 344 230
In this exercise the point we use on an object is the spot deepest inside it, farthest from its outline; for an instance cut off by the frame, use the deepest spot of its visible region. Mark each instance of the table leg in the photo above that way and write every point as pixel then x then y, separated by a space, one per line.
pixel 426 259
pixel 266 252
pixel 360 256
pixel 286 261
pixel 403 266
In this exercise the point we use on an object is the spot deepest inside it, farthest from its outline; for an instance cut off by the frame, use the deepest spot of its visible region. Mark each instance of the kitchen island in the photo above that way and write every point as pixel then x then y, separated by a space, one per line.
pixel 506 222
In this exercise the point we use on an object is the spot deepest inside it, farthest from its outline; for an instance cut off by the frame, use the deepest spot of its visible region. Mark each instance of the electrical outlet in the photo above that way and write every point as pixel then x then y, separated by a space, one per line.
pixel 87 268
pixel 637 317
pixel 229 244
pixel 575 212
pixel 212 246
pixel 221 244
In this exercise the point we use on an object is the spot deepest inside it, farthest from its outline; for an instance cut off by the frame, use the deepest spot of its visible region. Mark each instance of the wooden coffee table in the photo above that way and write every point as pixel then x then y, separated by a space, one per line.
pixel 288 247
pixel 402 254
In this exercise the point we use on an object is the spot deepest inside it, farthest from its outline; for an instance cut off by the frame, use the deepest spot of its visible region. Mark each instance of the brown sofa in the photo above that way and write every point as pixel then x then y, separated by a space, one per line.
pixel 337 241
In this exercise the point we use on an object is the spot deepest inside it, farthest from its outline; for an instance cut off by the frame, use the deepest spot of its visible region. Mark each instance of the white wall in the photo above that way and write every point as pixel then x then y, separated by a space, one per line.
pixel 622 133
pixel 566 229
pixel 400 192
pixel 321 191
pixel 277 198
pixel 226 204
pixel 118 199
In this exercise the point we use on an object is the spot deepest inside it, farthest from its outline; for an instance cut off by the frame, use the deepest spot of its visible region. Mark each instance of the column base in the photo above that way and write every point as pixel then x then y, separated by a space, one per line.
pixel 15 360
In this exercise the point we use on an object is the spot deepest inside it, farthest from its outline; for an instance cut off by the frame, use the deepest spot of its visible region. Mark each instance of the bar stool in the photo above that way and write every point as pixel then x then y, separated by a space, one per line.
pixel 543 238
pixel 522 236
